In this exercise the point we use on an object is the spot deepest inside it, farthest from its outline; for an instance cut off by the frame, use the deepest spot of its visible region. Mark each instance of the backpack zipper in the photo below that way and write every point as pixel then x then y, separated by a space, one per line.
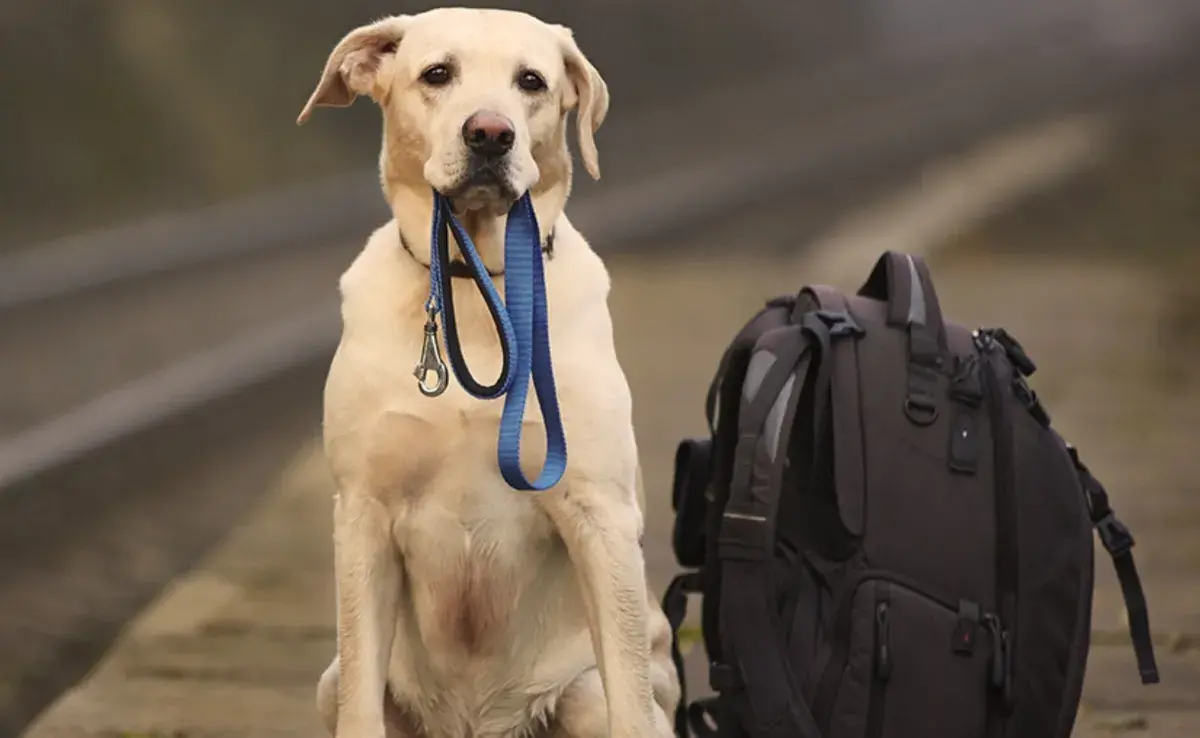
pixel 1002 627
pixel 883 664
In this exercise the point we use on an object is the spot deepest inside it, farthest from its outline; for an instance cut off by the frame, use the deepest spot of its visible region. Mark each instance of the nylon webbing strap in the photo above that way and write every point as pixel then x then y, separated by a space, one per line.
pixel 441 295
pixel 525 299
pixel 674 605
pixel 1118 542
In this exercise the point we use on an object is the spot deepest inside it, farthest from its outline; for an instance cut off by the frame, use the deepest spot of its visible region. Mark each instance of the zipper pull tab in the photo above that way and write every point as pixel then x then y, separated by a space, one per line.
pixel 967 628
pixel 431 361
pixel 883 647
pixel 1001 671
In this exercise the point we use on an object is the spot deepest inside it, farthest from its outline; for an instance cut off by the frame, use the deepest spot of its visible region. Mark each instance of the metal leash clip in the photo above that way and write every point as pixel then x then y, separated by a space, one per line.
pixel 431 360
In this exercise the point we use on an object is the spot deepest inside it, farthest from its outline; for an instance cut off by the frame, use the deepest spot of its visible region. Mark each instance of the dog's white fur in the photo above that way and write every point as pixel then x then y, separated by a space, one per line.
pixel 465 608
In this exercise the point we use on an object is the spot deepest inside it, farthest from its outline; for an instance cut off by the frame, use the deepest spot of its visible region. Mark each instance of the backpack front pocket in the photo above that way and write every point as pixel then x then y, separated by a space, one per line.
pixel 907 663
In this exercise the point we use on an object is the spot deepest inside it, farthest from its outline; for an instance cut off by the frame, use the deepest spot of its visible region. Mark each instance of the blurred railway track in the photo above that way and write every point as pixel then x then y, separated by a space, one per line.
pixel 155 377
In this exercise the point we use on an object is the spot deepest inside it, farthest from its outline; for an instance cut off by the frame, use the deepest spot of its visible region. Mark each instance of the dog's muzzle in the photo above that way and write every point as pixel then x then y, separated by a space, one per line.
pixel 489 138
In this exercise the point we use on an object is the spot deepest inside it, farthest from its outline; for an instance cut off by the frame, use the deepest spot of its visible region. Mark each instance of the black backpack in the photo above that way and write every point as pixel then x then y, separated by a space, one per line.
pixel 889 538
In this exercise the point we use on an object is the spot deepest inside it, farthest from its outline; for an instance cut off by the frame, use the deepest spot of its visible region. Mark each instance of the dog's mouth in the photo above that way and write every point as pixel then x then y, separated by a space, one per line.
pixel 484 184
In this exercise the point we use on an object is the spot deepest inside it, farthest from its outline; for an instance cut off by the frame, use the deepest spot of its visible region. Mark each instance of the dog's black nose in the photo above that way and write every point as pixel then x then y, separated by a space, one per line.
pixel 488 134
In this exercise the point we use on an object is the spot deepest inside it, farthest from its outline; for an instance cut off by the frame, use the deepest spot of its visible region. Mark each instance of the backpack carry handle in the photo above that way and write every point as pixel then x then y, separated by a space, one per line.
pixel 903 282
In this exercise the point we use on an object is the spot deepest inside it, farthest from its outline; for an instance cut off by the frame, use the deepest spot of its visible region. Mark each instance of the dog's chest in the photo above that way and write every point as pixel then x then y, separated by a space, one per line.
pixel 473 556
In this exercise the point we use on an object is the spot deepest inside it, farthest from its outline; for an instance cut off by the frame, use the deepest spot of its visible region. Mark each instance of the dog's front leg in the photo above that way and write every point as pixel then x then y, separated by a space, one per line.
pixel 600 523
pixel 367 573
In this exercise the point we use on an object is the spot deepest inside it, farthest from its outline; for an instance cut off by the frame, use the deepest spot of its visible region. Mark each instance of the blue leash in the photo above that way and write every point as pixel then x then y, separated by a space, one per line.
pixel 521 322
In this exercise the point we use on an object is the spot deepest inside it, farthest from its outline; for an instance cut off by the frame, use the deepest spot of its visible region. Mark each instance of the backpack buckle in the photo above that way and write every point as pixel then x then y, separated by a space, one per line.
pixel 1114 535
pixel 1029 398
pixel 1016 353
pixel 839 323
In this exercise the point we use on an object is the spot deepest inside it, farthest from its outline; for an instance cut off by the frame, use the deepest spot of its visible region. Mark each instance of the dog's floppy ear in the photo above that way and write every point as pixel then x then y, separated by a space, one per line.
pixel 588 96
pixel 354 64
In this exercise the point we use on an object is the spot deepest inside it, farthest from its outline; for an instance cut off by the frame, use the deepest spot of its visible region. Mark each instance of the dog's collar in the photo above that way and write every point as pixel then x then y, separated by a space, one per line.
pixel 459 268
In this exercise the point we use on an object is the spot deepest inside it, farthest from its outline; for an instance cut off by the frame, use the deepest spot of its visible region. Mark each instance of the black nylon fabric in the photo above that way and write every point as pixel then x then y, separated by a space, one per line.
pixel 907 549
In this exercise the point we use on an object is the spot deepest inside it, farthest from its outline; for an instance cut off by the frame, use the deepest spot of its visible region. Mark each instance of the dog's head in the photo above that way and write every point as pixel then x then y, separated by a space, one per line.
pixel 474 101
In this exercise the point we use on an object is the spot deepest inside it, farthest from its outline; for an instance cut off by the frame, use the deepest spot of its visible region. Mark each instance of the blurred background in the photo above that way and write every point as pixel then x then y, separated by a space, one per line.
pixel 170 243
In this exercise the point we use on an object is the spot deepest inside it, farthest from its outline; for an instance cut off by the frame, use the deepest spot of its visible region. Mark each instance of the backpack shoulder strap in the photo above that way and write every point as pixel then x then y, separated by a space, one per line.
pixel 783 362
pixel 746 541
pixel 848 457
pixel 723 405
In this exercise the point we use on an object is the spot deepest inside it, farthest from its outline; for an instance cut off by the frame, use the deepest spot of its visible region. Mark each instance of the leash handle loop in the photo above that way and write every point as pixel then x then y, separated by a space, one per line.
pixel 525 298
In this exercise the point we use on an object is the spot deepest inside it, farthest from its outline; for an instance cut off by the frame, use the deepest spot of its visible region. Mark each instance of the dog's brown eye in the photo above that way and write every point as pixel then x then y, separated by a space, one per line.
pixel 436 76
pixel 531 81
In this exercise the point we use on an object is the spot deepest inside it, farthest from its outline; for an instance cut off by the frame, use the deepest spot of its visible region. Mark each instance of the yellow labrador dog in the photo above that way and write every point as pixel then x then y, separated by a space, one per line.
pixel 465 608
